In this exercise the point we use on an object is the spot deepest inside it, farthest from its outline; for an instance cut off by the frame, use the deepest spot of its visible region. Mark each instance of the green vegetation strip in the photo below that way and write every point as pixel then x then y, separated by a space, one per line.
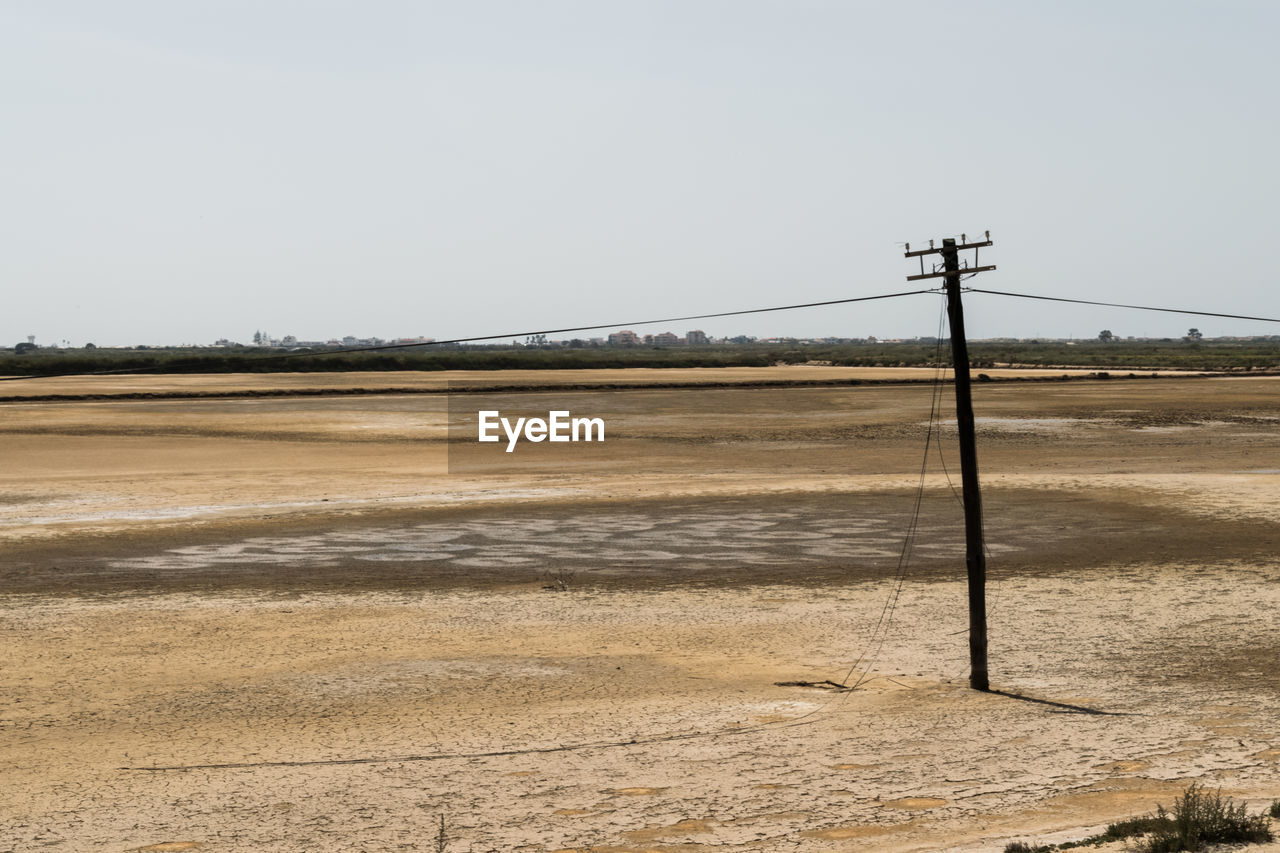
pixel 1118 355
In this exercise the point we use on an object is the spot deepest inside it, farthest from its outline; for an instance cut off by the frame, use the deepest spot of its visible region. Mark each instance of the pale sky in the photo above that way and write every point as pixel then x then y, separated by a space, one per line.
pixel 178 171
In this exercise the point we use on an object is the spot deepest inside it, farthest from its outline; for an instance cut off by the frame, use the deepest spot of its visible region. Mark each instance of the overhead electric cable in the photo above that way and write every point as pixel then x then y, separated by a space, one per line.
pixel 881 630
pixel 348 350
pixel 1121 305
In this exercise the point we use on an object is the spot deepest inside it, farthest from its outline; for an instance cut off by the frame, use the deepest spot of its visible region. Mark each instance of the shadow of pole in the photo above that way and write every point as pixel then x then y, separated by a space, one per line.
pixel 1062 707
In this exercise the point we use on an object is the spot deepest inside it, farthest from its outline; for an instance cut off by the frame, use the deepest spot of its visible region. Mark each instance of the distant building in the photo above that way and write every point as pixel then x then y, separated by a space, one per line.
pixel 666 338
pixel 625 338
pixel 697 336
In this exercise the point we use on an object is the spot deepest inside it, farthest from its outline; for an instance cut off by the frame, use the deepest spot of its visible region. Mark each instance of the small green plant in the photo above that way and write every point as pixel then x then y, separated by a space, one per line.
pixel 1135 827
pixel 1201 817
pixel 1198 818
pixel 1132 828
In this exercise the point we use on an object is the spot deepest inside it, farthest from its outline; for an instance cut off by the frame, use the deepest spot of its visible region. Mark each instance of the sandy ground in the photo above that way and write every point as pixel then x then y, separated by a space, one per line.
pixel 442 379
pixel 306 624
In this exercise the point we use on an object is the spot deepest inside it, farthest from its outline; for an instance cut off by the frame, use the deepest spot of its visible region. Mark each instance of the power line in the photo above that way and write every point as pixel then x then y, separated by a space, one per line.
pixel 869 655
pixel 878 636
pixel 1120 305
pixel 450 756
pixel 347 351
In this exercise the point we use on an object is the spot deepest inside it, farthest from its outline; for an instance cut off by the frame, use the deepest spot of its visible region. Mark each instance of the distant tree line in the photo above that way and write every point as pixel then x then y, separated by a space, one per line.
pixel 1190 352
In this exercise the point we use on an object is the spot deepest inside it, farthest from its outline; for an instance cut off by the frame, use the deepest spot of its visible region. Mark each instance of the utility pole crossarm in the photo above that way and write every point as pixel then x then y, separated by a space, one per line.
pixel 959 248
pixel 945 273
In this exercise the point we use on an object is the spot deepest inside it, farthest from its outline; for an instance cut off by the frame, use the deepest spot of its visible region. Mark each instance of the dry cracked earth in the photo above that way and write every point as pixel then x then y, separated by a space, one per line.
pixel 312 624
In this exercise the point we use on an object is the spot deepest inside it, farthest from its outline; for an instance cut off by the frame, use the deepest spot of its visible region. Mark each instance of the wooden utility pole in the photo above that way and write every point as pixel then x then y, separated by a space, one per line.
pixel 975 556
